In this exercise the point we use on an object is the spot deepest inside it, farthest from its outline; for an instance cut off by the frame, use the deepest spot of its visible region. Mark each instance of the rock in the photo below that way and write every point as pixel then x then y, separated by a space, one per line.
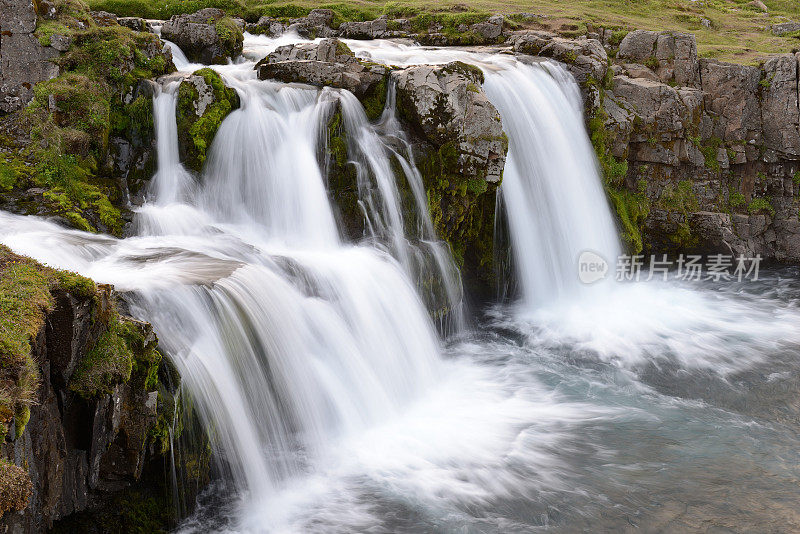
pixel 448 106
pixel 779 105
pixel 638 46
pixel 731 96
pixel 784 28
pixel 585 58
pixel 320 17
pixel 266 25
pixel 373 29
pixel 327 63
pixel 135 23
pixel 315 24
pixel 207 36
pixel 60 42
pixel 104 18
pixel 17 16
pixel 618 124
pixel 491 29
pixel 23 60
pixel 671 55
pixel 203 103
pixel 636 70
pixel 74 450
pixel 758 4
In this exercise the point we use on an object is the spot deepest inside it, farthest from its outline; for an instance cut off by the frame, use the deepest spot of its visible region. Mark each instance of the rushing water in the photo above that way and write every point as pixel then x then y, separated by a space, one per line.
pixel 339 408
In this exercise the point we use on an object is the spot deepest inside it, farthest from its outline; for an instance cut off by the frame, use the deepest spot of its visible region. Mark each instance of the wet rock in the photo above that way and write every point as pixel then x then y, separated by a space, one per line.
pixel 267 26
pixel 447 104
pixel 203 103
pixel 207 36
pixel 74 449
pixel 327 63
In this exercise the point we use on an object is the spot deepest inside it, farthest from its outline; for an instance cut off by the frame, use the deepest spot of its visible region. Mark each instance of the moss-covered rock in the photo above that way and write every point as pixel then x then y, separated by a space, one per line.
pixel 460 153
pixel 87 128
pixel 207 36
pixel 203 102
pixel 15 488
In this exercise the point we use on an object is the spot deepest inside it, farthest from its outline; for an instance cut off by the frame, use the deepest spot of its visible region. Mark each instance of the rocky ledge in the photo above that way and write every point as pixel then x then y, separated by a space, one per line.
pixel 82 409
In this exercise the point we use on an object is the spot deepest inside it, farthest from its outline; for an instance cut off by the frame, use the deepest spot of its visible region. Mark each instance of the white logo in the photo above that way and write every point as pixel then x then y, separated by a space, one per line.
pixel 591 267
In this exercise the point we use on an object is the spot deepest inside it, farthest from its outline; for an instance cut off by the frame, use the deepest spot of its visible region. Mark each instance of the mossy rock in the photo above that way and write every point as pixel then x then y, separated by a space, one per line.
pixel 203 103
pixel 26 296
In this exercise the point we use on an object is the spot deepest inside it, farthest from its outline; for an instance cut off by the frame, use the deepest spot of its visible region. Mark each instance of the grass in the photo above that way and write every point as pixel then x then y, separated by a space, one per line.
pixel 737 31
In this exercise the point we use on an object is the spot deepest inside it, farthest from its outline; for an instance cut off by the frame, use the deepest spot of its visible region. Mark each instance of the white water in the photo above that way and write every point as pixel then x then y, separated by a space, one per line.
pixel 321 377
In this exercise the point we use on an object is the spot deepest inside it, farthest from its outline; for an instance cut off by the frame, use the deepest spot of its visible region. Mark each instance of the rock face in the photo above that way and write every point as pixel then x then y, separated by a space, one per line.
pixel 203 102
pixel 327 63
pixel 372 29
pixel 706 154
pixel 447 105
pixel 89 428
pixel 672 55
pixel 23 60
pixel 207 36
pixel 460 150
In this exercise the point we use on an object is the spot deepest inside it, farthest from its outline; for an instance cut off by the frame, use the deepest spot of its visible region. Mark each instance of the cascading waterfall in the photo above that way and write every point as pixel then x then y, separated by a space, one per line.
pixel 318 373
pixel 551 189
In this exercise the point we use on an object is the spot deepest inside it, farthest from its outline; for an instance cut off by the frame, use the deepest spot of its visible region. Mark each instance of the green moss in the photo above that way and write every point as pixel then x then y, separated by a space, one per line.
pixel 570 57
pixel 617 36
pixel 26 295
pixel 122 351
pixel 737 199
pixel 652 63
pixel 197 133
pixel 632 209
pixel 465 69
pixel 230 35
pixel 46 29
pixel 678 198
pixel 760 204
pixel 73 116
pixel 375 100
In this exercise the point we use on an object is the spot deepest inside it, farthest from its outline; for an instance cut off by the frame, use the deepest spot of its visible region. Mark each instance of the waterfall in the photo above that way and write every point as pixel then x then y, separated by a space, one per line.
pixel 304 338
pixel 552 190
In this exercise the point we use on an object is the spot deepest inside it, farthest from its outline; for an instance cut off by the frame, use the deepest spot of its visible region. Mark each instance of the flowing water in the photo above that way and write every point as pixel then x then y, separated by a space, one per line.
pixel 339 406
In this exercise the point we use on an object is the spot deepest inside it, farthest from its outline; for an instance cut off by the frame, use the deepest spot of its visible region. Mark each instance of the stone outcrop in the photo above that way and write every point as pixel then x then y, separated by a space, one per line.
pixel 203 103
pixel 327 63
pixel 207 36
pixel 445 103
pixel 24 61
pixel 709 151
pixel 372 29
pixel 460 150
pixel 671 55
pixel 87 433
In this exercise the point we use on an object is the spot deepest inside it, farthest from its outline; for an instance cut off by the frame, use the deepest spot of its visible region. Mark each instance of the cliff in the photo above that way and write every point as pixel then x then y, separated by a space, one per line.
pixel 79 395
